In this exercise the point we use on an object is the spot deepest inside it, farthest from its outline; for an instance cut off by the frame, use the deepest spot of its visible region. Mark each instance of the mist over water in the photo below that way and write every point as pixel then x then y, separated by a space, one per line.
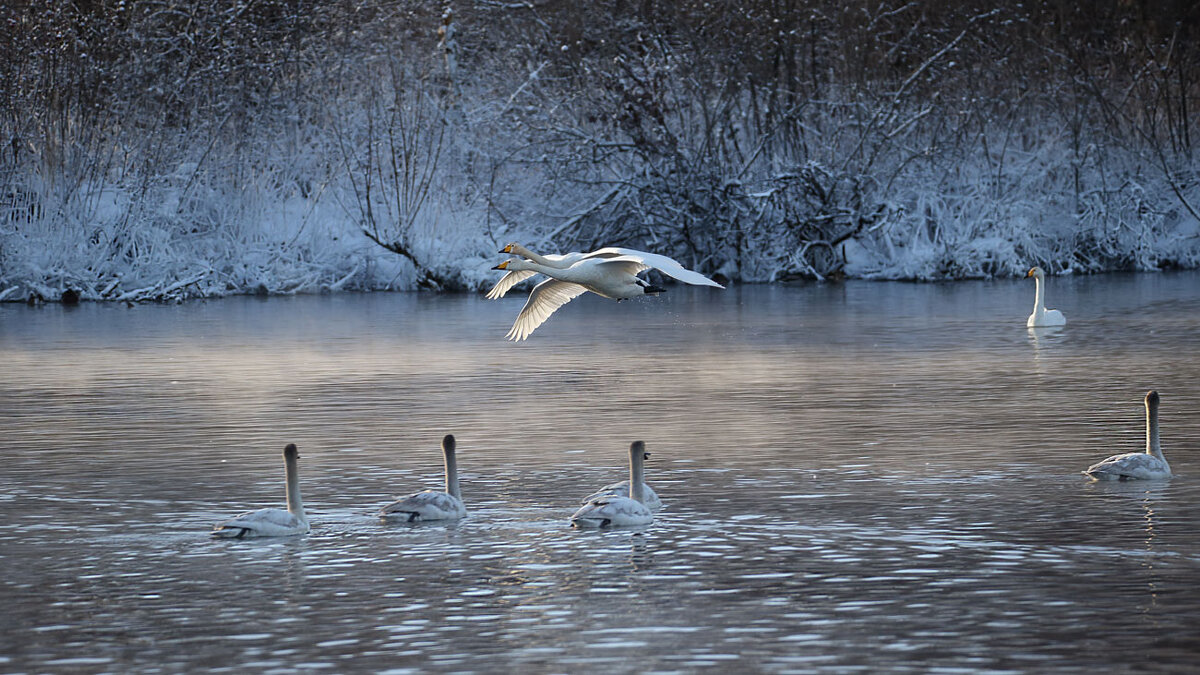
pixel 863 476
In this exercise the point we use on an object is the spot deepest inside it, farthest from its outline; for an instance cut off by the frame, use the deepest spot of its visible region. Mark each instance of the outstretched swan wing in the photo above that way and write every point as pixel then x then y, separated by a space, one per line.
pixel 543 301
pixel 668 266
pixel 507 281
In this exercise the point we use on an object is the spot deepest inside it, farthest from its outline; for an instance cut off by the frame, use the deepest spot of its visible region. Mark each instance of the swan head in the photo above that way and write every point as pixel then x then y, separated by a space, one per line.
pixel 1152 399
pixel 290 452
pixel 515 249
pixel 1036 273
pixel 639 447
pixel 448 443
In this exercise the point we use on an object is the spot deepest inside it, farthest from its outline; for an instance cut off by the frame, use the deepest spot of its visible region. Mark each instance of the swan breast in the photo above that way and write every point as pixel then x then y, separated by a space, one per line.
pixel 1050 317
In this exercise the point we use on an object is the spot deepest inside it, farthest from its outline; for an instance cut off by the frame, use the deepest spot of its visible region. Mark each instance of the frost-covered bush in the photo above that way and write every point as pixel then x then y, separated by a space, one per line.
pixel 168 149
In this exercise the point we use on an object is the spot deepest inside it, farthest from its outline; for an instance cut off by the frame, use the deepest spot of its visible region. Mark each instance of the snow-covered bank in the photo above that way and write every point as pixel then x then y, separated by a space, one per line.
pixel 363 147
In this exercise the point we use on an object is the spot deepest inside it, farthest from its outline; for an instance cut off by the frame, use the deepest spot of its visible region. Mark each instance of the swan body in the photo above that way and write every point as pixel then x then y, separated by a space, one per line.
pixel 621 489
pixel 1148 465
pixel 662 263
pixel 431 504
pixel 618 511
pixel 1042 316
pixel 272 522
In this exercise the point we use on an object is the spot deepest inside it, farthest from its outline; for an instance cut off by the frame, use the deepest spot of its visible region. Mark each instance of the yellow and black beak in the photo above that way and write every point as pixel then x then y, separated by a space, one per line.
pixel 506 249
pixel 501 266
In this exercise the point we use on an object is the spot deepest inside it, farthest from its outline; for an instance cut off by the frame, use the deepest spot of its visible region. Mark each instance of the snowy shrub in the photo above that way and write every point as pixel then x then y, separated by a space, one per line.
pixel 166 149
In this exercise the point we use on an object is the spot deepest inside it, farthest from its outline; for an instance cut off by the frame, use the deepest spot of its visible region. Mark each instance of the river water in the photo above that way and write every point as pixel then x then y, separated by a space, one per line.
pixel 857 477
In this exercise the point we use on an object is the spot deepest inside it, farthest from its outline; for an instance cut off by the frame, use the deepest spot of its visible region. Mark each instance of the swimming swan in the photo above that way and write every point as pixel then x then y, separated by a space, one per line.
pixel 272 522
pixel 620 511
pixel 1148 465
pixel 431 504
pixel 1042 316
pixel 615 278
pixel 621 489
pixel 662 263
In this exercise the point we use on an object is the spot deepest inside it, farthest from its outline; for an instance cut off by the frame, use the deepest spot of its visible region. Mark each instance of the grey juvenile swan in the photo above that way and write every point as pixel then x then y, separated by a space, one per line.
pixel 431 504
pixel 1148 465
pixel 609 511
pixel 272 522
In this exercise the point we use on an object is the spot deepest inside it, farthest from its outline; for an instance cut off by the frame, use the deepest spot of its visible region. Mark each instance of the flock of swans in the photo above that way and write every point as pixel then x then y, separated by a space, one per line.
pixel 626 503
pixel 612 273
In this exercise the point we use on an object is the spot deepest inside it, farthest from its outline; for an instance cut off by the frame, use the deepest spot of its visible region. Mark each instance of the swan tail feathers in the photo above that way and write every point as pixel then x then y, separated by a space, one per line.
pixel 590 522
pixel 405 516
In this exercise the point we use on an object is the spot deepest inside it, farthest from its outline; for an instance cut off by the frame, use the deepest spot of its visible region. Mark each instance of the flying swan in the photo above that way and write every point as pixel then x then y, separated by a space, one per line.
pixel 1148 465
pixel 431 504
pixel 662 263
pixel 272 522
pixel 615 278
pixel 609 511
pixel 1042 316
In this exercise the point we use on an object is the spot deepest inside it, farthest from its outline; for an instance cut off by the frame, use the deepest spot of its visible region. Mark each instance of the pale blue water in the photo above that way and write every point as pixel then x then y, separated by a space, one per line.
pixel 868 476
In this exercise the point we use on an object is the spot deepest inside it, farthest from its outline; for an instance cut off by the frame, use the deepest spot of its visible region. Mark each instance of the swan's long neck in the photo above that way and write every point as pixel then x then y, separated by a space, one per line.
pixel 295 505
pixel 1152 445
pixel 637 472
pixel 1039 296
pixel 539 259
pixel 530 265
pixel 451 469
pixel 555 272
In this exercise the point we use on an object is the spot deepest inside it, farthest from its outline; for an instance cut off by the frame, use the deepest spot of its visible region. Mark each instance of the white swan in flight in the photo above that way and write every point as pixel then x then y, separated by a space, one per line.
pixel 621 489
pixel 431 504
pixel 615 278
pixel 618 511
pixel 662 263
pixel 1148 465
pixel 272 522
pixel 1042 316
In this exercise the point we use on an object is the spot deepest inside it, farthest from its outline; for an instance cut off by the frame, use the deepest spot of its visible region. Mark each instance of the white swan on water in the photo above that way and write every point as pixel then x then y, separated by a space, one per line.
pixel 431 504
pixel 1042 316
pixel 1148 465
pixel 609 511
pixel 272 522
pixel 562 261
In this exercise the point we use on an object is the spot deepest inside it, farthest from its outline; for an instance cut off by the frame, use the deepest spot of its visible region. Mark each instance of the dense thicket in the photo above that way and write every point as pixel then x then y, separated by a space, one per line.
pixel 168 148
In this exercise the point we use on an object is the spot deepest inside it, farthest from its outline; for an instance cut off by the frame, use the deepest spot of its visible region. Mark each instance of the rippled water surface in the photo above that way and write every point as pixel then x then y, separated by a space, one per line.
pixel 858 477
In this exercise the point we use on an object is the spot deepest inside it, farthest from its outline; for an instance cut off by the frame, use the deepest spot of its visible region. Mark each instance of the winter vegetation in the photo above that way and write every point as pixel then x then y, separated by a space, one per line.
pixel 165 149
